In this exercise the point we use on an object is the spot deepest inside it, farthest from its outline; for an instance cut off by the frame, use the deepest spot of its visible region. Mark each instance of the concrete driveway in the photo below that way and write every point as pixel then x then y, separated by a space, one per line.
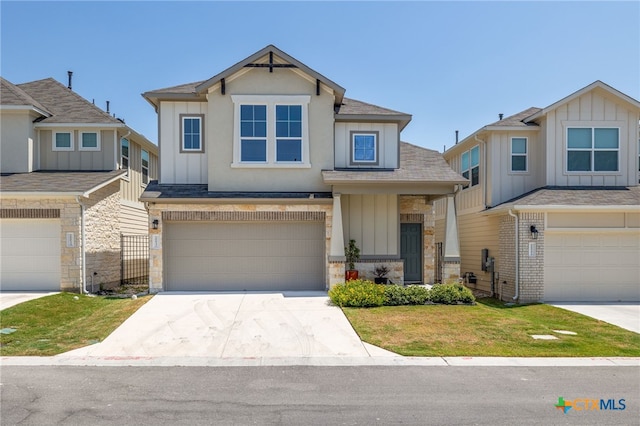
pixel 12 298
pixel 624 315
pixel 234 325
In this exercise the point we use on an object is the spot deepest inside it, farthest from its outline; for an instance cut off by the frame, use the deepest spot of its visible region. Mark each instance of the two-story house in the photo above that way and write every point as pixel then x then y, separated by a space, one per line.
pixel 552 208
pixel 71 176
pixel 267 171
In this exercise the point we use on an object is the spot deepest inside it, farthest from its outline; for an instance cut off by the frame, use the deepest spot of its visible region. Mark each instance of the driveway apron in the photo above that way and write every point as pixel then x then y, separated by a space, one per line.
pixel 233 325
pixel 624 315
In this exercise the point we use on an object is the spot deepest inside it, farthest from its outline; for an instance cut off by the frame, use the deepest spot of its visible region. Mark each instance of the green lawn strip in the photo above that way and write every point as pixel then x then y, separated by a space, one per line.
pixel 55 324
pixel 489 329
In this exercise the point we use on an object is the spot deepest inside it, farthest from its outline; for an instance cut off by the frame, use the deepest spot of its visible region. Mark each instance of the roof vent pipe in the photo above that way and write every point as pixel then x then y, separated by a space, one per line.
pixel 107 107
pixel 500 116
pixel 70 74
pixel 456 136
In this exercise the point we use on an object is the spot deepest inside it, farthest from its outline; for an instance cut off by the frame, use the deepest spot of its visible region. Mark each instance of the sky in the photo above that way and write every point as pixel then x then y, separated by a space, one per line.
pixel 451 65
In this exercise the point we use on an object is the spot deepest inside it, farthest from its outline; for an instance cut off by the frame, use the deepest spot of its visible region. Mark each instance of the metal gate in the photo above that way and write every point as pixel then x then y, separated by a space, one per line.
pixel 439 263
pixel 134 259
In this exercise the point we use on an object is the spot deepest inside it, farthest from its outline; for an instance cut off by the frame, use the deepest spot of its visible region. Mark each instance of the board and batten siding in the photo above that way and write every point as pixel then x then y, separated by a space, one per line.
pixel 388 143
pixel 593 109
pixel 132 186
pixel 176 166
pixel 76 159
pixel 480 232
pixel 372 221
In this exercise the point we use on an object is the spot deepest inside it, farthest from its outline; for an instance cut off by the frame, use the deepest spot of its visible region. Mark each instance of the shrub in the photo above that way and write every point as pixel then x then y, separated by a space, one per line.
pixel 451 293
pixel 417 295
pixel 395 295
pixel 357 294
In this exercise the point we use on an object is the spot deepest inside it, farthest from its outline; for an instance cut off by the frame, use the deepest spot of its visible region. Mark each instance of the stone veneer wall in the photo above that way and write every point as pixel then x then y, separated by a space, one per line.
pixel 416 209
pixel 367 267
pixel 102 227
pixel 70 257
pixel 155 235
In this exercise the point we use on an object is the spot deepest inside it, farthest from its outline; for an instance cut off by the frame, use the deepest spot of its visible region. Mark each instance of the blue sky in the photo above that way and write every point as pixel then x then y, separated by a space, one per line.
pixel 452 65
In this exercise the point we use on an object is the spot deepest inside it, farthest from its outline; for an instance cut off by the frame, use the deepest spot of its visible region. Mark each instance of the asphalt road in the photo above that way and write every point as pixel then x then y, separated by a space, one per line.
pixel 315 395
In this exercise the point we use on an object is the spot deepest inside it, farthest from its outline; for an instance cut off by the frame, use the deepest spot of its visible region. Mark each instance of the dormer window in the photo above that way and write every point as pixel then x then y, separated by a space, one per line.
pixel 364 148
pixel 470 166
pixel 593 149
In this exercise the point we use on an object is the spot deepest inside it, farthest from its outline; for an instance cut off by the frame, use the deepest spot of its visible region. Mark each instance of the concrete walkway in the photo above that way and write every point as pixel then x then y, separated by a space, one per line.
pixel 12 298
pixel 624 315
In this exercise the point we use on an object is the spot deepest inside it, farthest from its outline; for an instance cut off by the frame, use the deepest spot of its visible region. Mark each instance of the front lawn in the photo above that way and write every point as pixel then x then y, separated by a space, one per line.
pixel 489 328
pixel 59 323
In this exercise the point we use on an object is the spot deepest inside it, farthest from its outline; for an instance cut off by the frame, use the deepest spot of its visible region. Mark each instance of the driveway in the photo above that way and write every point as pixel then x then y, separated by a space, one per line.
pixel 234 325
pixel 12 298
pixel 624 315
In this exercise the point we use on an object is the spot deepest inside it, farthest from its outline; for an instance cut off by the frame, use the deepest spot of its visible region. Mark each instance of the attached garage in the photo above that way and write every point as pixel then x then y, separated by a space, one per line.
pixel 601 266
pixel 30 254
pixel 236 256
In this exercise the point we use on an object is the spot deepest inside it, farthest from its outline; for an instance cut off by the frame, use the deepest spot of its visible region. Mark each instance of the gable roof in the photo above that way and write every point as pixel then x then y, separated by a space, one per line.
pixel 65 105
pixel 10 94
pixel 354 110
pixel 516 120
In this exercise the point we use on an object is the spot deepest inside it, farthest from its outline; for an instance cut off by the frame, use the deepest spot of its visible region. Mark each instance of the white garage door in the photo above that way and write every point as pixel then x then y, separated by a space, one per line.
pixel 205 256
pixel 603 266
pixel 30 254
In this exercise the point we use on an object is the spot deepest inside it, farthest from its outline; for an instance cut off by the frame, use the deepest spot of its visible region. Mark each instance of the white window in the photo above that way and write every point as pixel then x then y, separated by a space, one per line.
pixel 593 149
pixel 519 154
pixel 62 141
pixel 470 165
pixel 191 133
pixel 271 131
pixel 364 148
pixel 89 141
pixel 145 167
pixel 124 155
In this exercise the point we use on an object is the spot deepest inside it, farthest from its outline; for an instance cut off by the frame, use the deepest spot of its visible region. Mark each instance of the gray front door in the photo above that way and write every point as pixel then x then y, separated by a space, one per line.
pixel 411 251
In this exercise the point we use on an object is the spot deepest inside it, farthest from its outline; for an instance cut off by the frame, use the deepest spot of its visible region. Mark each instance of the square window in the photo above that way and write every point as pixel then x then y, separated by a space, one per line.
pixel 89 141
pixel 253 150
pixel 364 148
pixel 593 149
pixel 63 141
pixel 289 150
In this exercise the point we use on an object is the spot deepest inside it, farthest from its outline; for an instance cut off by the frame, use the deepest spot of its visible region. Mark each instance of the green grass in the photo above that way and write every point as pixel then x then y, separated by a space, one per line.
pixel 55 324
pixel 489 329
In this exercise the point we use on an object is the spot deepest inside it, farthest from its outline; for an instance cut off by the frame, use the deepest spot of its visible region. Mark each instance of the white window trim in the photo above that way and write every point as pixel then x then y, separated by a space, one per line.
pixel 375 160
pixel 592 126
pixel 526 155
pixel 470 185
pixel 128 157
pixel 142 167
pixel 200 118
pixel 53 141
pixel 98 145
pixel 271 101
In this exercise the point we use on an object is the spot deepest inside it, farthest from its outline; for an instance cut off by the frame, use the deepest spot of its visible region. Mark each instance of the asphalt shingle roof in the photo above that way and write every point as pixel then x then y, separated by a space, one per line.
pixel 354 107
pixel 578 196
pixel 187 88
pixel 10 94
pixel 417 164
pixel 65 105
pixel 517 119
pixel 54 181
pixel 156 191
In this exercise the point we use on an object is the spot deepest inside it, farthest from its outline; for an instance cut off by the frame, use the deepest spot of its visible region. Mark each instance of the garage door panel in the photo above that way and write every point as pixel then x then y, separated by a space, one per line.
pixel 206 256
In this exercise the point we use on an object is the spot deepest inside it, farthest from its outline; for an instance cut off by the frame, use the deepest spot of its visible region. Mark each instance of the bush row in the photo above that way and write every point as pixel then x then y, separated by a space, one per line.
pixel 363 293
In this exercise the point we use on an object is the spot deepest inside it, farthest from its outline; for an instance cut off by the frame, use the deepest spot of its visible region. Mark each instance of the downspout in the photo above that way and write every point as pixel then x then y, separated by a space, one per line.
pixel 517 255
pixel 83 243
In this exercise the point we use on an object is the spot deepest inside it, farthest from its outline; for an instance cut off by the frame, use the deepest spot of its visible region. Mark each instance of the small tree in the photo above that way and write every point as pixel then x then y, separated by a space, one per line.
pixel 352 253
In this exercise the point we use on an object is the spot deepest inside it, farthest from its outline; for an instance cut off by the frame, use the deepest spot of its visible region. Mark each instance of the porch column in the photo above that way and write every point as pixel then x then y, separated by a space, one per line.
pixel 451 242
pixel 337 234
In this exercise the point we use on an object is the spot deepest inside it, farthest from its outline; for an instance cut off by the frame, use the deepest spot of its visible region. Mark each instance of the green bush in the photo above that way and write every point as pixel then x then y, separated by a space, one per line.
pixel 451 293
pixel 417 295
pixel 395 295
pixel 357 294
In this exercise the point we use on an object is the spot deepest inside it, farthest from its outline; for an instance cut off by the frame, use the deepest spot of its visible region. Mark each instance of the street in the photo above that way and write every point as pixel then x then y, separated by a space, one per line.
pixel 316 395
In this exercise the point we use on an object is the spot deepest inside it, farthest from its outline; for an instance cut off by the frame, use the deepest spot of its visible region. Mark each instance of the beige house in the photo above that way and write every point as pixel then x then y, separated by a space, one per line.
pixel 267 171
pixel 552 209
pixel 71 178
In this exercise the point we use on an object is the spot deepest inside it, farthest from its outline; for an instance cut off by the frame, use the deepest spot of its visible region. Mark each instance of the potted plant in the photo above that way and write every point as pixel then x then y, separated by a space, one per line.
pixel 352 253
pixel 381 274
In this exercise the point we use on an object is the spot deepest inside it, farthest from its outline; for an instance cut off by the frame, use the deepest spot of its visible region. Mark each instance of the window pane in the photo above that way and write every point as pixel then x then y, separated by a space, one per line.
pixel 125 148
pixel 295 129
pixel 465 161
pixel 475 175
pixel 63 140
pixel 260 129
pixel 519 163
pixel 605 138
pixel 187 125
pixel 579 138
pixel 246 112
pixel 359 142
pixel 475 156
pixel 89 140
pixel 145 158
pixel 282 113
pixel 282 129
pixel 289 150
pixel 253 150
pixel 605 161
pixel 518 146
pixel 579 161
pixel 260 112
pixel 465 174
pixel 246 129
pixel 295 113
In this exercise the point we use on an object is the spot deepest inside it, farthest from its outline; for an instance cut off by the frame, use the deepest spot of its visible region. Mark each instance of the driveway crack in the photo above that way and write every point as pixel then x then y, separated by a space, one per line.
pixel 235 317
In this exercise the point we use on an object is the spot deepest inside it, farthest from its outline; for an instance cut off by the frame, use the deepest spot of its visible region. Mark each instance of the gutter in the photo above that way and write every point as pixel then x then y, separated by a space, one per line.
pixel 517 255
pixel 83 289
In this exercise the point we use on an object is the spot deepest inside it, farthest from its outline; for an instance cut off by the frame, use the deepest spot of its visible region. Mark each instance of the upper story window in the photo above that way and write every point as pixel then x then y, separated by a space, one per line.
pixel 364 148
pixel 145 167
pixel 519 154
pixel 271 131
pixel 470 165
pixel 191 133
pixel 89 141
pixel 124 155
pixel 62 141
pixel 593 149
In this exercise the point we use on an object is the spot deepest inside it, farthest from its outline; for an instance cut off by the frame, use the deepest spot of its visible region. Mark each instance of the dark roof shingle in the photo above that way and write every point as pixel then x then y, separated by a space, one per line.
pixel 578 196
pixel 54 181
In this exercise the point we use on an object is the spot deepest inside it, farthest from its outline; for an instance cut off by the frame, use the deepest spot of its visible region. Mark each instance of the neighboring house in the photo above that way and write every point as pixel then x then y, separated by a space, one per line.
pixel 267 171
pixel 71 176
pixel 552 209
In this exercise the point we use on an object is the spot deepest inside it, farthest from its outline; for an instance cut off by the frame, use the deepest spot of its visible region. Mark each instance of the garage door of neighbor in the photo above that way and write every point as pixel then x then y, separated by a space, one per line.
pixel 602 266
pixel 231 256
pixel 30 254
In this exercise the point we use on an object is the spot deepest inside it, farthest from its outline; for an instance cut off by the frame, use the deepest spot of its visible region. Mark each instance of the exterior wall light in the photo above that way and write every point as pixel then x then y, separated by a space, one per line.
pixel 155 223
pixel 534 232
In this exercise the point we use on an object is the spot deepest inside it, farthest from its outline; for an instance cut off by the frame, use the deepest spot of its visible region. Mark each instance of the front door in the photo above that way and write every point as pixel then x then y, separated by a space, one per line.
pixel 411 251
